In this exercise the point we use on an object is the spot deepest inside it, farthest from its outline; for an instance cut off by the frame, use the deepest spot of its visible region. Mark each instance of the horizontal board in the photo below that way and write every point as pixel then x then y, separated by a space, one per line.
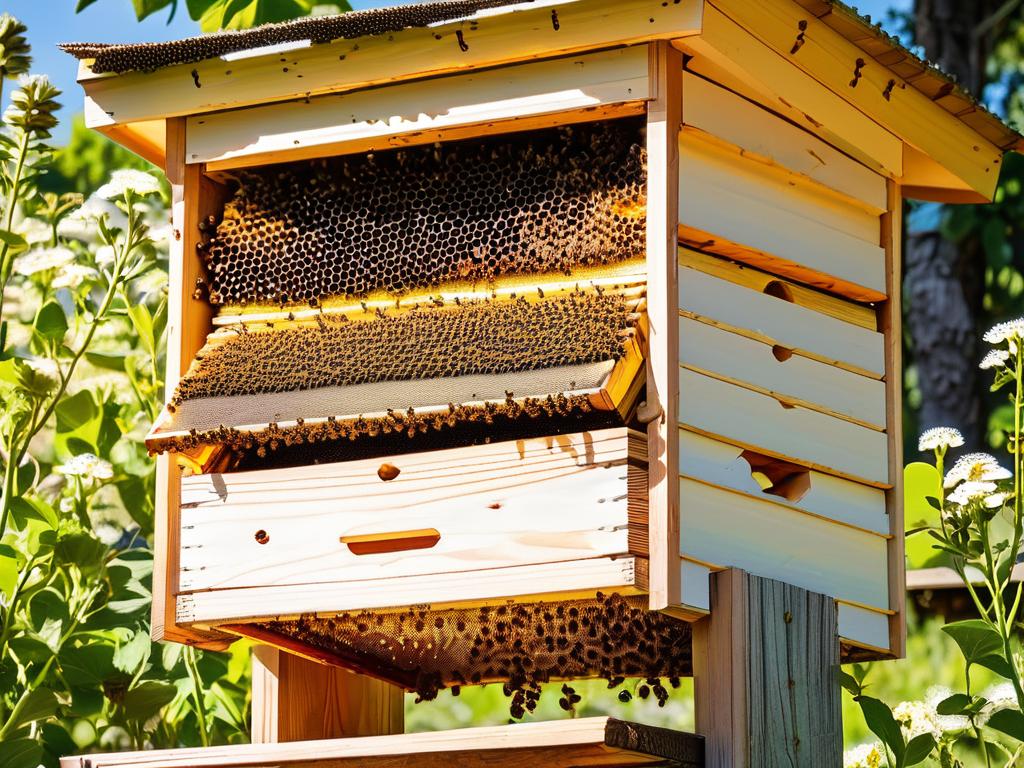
pixel 558 744
pixel 568 580
pixel 774 320
pixel 728 529
pixel 832 498
pixel 759 422
pixel 779 372
pixel 860 626
pixel 728 197
pixel 768 138
pixel 565 502
pixel 521 32
pixel 695 581
pixel 367 120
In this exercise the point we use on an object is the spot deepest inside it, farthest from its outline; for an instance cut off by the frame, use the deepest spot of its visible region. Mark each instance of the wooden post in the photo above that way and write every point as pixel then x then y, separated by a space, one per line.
pixel 764 675
pixel 295 699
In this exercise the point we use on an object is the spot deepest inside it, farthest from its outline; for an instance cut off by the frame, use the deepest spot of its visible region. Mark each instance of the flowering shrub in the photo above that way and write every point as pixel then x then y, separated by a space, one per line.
pixel 82 314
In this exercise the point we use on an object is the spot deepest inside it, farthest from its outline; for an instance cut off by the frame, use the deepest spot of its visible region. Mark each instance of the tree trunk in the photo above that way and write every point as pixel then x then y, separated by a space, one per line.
pixel 943 281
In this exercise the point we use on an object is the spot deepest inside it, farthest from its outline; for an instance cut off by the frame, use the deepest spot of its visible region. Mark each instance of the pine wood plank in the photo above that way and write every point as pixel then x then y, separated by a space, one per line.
pixel 828 497
pixel 510 504
pixel 905 111
pixel 728 529
pixel 745 58
pixel 865 628
pixel 295 699
pixel 767 138
pixel 513 34
pixel 559 744
pixel 492 100
pixel 764 685
pixel 771 319
pixel 726 206
pixel 566 580
pixel 664 121
pixel 776 371
pixel 761 423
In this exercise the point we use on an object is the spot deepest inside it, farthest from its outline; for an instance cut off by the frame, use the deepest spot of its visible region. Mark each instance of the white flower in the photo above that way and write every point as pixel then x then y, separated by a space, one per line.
pixel 107 532
pixel 1008 331
pixel 968 491
pixel 73 275
pixel 864 756
pixel 105 254
pixel 946 723
pixel 996 358
pixel 976 467
pixel 44 367
pixel 35 231
pixel 140 182
pixel 67 505
pixel 1001 696
pixel 88 466
pixel 916 718
pixel 940 437
pixel 42 259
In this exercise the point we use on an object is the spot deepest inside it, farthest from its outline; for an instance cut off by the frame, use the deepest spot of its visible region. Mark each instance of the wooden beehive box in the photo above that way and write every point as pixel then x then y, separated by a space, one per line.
pixel 529 308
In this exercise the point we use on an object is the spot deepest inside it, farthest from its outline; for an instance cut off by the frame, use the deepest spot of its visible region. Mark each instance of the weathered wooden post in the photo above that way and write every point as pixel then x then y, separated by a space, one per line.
pixel 532 342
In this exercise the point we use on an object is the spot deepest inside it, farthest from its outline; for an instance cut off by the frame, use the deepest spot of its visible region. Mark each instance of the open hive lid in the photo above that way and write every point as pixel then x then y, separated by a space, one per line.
pixel 420 290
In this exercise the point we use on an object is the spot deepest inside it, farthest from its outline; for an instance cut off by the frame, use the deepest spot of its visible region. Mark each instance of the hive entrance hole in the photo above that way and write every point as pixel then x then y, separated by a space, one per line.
pixel 779 290
pixel 396 541
pixel 778 478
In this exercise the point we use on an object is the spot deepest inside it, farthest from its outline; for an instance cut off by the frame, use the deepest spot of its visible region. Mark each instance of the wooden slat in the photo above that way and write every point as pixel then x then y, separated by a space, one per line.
pixel 568 580
pixel 728 205
pixel 488 508
pixel 514 34
pixel 751 420
pixel 787 377
pixel 830 498
pixel 767 138
pixel 493 100
pixel 749 61
pixel 892 323
pixel 729 529
pixel 907 112
pixel 560 744
pixel 664 121
pixel 774 320
pixel 188 322
pixel 865 628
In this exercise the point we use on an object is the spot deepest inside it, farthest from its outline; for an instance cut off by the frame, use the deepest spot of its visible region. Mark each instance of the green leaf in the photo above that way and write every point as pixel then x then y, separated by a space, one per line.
pixel 20 753
pixel 36 704
pixel 953 705
pixel 50 322
pixel 82 5
pixel 976 639
pixel 879 718
pixel 108 361
pixel 23 510
pixel 147 699
pixel 144 8
pixel 1008 721
pixel 13 241
pixel 76 411
pixel 997 664
pixel 133 654
pixel 849 682
pixel 142 320
pixel 918 750
pixel 920 483
pixel 9 571
pixel 87 666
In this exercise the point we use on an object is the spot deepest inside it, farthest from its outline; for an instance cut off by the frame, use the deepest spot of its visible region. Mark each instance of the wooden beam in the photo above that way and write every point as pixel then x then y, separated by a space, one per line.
pixel 891 316
pixel 518 33
pixel 664 122
pixel 519 97
pixel 746 59
pixel 876 91
pixel 591 741
pixel 764 675
pixel 295 699
pixel 188 322
pixel 145 139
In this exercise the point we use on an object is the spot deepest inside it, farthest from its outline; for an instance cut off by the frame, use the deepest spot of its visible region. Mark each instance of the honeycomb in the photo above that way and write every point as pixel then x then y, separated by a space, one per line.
pixel 318 29
pixel 521 646
pixel 542 201
pixel 481 337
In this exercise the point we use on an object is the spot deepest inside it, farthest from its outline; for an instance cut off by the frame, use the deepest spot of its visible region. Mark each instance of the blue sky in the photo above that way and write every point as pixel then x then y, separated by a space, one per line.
pixel 54 21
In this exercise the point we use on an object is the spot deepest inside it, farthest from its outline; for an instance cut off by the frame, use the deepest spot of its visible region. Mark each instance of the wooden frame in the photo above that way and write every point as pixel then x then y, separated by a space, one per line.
pixel 592 741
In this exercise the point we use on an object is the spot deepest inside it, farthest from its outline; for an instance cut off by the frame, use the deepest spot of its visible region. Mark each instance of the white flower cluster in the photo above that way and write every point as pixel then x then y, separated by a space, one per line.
pixel 945 723
pixel 43 259
pixel 864 756
pixel 139 182
pixel 974 477
pixel 1009 331
pixel 938 438
pixel 88 466
pixel 916 718
pixel 996 358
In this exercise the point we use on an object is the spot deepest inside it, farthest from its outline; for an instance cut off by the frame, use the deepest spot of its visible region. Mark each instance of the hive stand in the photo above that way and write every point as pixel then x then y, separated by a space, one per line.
pixel 719 491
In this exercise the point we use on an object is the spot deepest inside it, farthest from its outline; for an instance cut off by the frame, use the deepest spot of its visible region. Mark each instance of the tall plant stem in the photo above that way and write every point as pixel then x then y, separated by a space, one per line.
pixel 6 262
pixel 197 693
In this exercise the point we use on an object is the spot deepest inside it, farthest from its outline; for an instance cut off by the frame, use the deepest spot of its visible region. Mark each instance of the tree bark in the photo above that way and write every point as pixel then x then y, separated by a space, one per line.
pixel 943 281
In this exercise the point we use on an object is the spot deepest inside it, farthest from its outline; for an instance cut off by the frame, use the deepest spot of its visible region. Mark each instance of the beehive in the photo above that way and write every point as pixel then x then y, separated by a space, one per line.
pixel 533 316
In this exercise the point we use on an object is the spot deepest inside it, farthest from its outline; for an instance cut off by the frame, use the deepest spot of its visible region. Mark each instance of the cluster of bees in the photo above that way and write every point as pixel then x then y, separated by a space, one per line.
pixel 521 646
pixel 544 201
pixel 479 337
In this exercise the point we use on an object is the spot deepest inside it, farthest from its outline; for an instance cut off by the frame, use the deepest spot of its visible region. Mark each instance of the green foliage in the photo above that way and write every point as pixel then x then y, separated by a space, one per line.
pixel 84 311
pixel 214 15
pixel 14 48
